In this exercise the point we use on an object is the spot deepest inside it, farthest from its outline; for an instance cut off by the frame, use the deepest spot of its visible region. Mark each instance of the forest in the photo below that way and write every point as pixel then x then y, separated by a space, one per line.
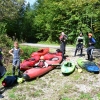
pixel 46 19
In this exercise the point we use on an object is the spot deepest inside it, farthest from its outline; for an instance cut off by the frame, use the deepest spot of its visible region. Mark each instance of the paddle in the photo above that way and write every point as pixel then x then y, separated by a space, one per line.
pixel 79 69
pixel 54 65
pixel 57 66
pixel 49 65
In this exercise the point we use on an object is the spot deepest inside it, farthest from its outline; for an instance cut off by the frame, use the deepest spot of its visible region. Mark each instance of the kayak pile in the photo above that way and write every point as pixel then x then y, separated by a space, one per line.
pixel 31 71
pixel 53 59
pixel 36 72
pixel 35 56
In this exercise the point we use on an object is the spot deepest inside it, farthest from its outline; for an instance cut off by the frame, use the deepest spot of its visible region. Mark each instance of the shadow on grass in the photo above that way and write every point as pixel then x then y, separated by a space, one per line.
pixel 67 74
pixel 3 89
pixel 81 55
pixel 96 72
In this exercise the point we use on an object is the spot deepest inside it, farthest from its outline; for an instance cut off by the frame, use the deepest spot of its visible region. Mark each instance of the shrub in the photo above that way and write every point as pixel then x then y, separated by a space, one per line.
pixel 27 51
pixel 5 41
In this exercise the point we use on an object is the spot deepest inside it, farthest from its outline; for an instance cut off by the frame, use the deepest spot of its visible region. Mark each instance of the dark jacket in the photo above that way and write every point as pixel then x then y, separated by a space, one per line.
pixel 92 41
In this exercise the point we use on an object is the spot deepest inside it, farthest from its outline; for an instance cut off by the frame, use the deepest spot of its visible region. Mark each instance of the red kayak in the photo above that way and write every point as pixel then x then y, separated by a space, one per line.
pixel 40 52
pixel 36 72
pixel 35 56
pixel 51 55
pixel 29 63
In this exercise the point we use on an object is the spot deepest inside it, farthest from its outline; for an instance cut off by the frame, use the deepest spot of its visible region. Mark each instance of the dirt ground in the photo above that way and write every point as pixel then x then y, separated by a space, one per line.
pixel 56 86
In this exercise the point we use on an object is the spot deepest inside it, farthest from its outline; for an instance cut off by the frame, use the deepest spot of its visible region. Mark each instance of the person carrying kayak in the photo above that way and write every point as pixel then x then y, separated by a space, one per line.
pixel 63 39
pixel 79 44
pixel 41 63
pixel 16 52
pixel 91 44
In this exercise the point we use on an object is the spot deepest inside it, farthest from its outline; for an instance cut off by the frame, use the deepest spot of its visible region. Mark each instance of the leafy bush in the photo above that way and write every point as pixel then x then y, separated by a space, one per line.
pixel 3 27
pixel 5 41
pixel 27 51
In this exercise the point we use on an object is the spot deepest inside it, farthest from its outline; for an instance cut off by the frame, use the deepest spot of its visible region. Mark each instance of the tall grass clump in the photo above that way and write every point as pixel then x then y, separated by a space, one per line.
pixel 27 51
pixel 5 41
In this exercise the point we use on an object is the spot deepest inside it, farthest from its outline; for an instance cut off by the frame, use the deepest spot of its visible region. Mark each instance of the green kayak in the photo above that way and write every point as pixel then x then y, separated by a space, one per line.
pixel 67 67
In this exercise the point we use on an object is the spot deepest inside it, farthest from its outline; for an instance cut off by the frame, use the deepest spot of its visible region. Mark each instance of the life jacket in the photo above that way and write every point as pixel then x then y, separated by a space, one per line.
pixel 63 37
pixel 41 63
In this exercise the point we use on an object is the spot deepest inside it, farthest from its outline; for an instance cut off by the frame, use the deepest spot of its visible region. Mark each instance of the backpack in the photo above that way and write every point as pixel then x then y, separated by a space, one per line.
pixel 93 40
pixel 9 81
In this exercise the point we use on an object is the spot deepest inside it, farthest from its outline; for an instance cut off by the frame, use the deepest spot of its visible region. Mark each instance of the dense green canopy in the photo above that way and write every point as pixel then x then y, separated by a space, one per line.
pixel 46 19
pixel 10 8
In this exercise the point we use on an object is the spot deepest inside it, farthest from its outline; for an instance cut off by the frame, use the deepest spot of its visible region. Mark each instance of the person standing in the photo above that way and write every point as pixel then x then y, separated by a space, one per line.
pixel 79 44
pixel 90 48
pixel 63 39
pixel 15 52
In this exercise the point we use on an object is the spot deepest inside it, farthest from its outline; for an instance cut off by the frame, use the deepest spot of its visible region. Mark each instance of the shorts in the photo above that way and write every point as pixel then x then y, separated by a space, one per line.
pixel 16 62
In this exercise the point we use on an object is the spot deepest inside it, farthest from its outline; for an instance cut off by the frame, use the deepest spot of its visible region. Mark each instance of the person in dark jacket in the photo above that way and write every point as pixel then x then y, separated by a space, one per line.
pixel 79 44
pixel 91 44
pixel 63 39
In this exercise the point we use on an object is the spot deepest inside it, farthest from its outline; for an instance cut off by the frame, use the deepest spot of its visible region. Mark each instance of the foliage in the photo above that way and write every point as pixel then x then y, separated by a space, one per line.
pixel 5 41
pixel 9 8
pixel 27 51
pixel 3 27
pixel 46 19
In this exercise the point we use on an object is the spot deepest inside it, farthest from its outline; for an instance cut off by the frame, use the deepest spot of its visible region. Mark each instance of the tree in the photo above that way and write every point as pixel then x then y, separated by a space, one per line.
pixel 10 8
pixel 48 18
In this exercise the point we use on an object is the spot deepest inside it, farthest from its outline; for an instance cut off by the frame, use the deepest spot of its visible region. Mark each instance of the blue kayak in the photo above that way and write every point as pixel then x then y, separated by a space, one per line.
pixel 88 65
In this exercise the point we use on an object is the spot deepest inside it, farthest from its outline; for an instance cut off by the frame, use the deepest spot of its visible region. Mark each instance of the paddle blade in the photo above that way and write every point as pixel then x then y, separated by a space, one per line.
pixel 56 64
pixel 79 70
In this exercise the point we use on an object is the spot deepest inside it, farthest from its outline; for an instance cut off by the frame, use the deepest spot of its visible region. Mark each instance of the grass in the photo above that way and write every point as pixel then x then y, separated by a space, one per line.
pixel 98 95
pixel 20 97
pixel 84 96
pixel 66 98
pixel 75 75
pixel 37 93
pixel 54 43
pixel 48 43
pixel 27 51
pixel 12 95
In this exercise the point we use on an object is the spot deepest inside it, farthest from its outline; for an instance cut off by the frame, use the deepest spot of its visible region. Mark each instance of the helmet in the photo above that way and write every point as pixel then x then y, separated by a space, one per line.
pixel 90 34
pixel 42 57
